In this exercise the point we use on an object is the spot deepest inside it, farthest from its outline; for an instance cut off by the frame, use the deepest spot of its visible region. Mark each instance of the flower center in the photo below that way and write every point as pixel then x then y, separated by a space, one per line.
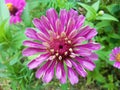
pixel 60 47
pixel 13 10
pixel 118 57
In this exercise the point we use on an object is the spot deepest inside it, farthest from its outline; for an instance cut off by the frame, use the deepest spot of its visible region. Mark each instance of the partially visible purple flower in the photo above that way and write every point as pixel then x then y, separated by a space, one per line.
pixel 16 8
pixel 62 44
pixel 115 56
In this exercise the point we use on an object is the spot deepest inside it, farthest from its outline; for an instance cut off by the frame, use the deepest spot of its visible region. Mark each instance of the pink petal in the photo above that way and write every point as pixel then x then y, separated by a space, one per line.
pixel 63 16
pixel 86 63
pixel 79 69
pixel 63 78
pixel 72 13
pixel 72 76
pixel 59 70
pixel 117 65
pixel 32 51
pixel 52 16
pixel 91 34
pixel 42 37
pixel 45 22
pixel 72 34
pixel 36 62
pixel 83 51
pixel 38 24
pixel 115 51
pixel 31 33
pixel 42 70
pixel 33 44
pixel 112 57
pixel 68 63
pixel 49 73
pixel 93 57
pixel 79 22
pixel 78 41
pixel 59 27
pixel 70 25
pixel 92 46
pixel 87 32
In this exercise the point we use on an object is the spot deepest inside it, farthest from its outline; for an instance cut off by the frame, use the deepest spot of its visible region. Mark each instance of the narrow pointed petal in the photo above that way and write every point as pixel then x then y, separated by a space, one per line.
pixel 117 65
pixel 38 24
pixel 93 57
pixel 63 16
pixel 36 62
pixel 45 22
pixel 86 63
pixel 42 69
pixel 52 17
pixel 59 70
pixel 68 63
pixel 80 22
pixel 79 69
pixel 33 44
pixel 112 57
pixel 31 33
pixel 91 34
pixel 87 32
pixel 59 27
pixel 83 51
pixel 72 76
pixel 49 73
pixel 63 78
pixel 72 13
pixel 31 51
pixel 92 46
pixel 70 25
pixel 115 51
pixel 42 37
pixel 78 41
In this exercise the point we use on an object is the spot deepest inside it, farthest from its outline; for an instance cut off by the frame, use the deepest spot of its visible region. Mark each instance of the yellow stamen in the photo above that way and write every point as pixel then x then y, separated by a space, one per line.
pixel 60 57
pixel 118 57
pixel 57 54
pixel 10 6
pixel 63 34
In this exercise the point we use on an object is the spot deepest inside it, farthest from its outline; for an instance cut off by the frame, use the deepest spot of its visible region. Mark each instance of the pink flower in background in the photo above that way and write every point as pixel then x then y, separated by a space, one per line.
pixel 16 8
pixel 64 46
pixel 115 56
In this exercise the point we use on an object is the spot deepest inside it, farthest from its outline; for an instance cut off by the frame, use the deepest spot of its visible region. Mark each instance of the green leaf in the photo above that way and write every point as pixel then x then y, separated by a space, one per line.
pixel 89 23
pixel 15 58
pixel 64 86
pixel 91 12
pixel 2 66
pixel 106 17
pixel 96 5
pixel 102 24
pixel 113 35
pixel 112 8
pixel 33 4
pixel 18 39
pixel 4 12
pixel 26 15
pixel 3 31
pixel 3 75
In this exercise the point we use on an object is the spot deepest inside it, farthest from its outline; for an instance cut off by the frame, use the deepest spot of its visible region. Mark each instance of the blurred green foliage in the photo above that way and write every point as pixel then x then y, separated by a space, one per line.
pixel 104 15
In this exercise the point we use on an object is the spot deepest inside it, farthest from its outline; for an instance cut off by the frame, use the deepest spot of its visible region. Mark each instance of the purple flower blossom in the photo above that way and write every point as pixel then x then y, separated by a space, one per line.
pixel 115 56
pixel 16 8
pixel 63 45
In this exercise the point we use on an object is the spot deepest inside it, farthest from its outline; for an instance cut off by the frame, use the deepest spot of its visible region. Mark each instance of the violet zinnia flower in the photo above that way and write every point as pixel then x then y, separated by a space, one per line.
pixel 16 8
pixel 115 56
pixel 63 45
